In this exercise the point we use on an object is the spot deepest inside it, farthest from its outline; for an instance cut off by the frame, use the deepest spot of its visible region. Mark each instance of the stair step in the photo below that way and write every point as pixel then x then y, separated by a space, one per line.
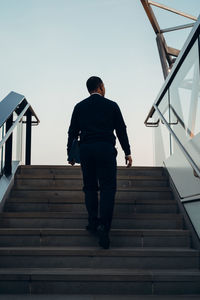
pixel 74 257
pixel 80 237
pixel 87 281
pixel 57 200
pixel 70 215
pixel 76 184
pixel 126 194
pixel 122 189
pixel 71 220
pixel 22 205
pixel 62 170
pixel 78 176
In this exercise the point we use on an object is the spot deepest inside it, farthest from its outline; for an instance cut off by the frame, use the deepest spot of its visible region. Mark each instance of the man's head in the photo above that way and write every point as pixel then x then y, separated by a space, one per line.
pixel 95 85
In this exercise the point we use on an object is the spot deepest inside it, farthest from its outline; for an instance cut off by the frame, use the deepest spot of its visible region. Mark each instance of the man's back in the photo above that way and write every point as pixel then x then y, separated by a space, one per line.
pixel 95 119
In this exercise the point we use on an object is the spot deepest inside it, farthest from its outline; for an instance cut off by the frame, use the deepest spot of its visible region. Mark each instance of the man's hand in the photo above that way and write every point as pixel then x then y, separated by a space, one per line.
pixel 72 163
pixel 128 160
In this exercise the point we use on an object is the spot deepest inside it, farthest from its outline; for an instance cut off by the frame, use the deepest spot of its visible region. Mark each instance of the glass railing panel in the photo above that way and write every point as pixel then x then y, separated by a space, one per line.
pixel 182 174
pixel 161 134
pixel 193 209
pixel 183 163
pixel 184 102
pixel 185 99
pixel 2 150
pixel 17 141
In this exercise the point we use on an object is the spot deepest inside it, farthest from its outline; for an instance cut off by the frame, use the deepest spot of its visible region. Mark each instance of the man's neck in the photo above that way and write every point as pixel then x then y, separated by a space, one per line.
pixel 95 93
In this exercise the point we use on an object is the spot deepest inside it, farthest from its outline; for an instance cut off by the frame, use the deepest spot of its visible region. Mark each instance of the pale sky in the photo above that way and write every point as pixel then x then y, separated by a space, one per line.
pixel 49 48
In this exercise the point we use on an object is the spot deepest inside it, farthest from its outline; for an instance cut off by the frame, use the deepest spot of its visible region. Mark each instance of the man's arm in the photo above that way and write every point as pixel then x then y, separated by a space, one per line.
pixel 74 129
pixel 121 132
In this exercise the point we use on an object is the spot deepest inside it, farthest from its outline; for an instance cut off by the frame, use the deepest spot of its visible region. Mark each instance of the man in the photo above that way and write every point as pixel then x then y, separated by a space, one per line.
pixel 94 120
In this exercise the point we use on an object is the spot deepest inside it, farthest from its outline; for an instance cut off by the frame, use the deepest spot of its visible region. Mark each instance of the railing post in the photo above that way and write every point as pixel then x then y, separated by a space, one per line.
pixel 8 149
pixel 28 137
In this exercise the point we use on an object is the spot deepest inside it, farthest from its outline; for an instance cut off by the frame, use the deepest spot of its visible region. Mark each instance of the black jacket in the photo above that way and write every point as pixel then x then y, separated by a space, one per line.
pixel 94 119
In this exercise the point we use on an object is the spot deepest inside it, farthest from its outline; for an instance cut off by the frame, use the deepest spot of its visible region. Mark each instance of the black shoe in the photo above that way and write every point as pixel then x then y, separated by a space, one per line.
pixel 104 240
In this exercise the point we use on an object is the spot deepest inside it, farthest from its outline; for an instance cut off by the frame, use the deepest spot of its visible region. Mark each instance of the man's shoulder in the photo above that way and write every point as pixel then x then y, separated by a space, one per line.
pixel 80 103
pixel 111 102
pixel 83 101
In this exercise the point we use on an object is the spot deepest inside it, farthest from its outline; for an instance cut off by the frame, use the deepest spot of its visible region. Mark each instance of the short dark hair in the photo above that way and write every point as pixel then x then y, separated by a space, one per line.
pixel 93 83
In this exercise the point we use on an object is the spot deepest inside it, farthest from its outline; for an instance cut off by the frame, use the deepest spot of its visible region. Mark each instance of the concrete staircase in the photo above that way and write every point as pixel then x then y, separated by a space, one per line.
pixel 45 249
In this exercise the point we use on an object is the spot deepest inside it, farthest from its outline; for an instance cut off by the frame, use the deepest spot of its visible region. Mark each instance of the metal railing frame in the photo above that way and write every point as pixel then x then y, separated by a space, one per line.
pixel 22 108
pixel 194 35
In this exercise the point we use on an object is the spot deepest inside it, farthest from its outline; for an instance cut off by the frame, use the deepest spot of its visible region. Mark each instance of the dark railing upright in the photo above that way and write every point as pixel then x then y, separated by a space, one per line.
pixel 8 148
pixel 28 137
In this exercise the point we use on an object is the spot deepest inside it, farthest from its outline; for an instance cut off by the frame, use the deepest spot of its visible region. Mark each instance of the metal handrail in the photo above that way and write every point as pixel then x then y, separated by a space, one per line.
pixel 179 121
pixel 187 155
pixel 10 131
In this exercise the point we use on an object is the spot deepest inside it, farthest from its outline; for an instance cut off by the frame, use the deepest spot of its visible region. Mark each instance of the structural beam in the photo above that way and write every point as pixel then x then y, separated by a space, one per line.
pixel 162 53
pixel 173 51
pixel 177 28
pixel 151 16
pixel 180 13
pixel 166 53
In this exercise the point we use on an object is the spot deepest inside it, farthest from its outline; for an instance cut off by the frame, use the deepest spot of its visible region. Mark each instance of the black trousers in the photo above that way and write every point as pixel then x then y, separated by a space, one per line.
pixel 98 163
